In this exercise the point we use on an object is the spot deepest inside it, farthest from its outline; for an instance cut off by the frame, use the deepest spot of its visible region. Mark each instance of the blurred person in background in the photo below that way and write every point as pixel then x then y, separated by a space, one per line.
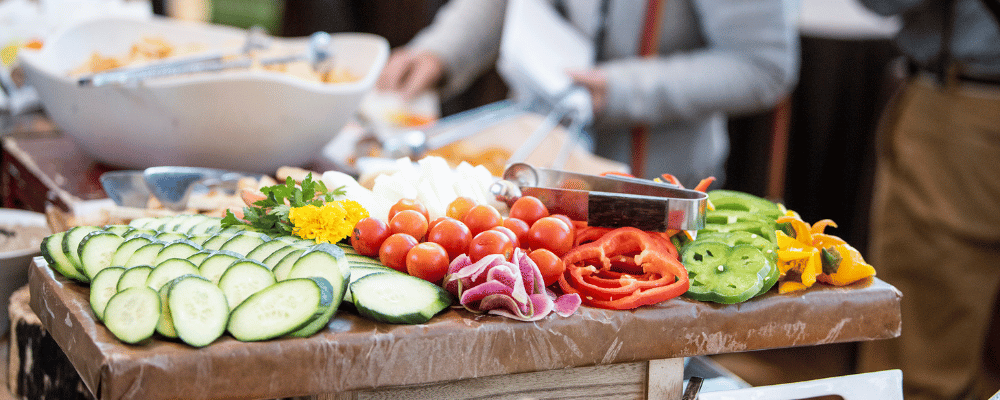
pixel 936 207
pixel 667 71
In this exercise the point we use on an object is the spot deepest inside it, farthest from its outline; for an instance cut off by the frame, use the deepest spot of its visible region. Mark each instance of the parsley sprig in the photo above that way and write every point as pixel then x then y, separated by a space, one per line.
pixel 270 215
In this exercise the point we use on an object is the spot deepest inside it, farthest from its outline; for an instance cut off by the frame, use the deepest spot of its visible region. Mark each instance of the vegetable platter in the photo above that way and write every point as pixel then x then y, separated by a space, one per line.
pixel 305 270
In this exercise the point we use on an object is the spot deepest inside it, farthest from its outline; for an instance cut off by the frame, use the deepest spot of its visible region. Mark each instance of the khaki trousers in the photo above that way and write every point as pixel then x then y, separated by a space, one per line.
pixel 936 233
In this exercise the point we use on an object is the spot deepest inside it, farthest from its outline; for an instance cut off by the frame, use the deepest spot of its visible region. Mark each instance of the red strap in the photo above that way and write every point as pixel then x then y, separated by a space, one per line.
pixel 648 46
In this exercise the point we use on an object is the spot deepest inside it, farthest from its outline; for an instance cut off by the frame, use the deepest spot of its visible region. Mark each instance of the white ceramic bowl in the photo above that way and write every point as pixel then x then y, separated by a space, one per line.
pixel 14 263
pixel 249 120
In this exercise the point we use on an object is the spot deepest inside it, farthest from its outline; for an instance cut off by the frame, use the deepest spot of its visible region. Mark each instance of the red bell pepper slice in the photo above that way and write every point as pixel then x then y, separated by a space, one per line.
pixel 594 270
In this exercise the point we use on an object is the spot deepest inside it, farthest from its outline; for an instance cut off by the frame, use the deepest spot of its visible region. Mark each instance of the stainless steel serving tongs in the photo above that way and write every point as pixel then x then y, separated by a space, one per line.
pixel 605 201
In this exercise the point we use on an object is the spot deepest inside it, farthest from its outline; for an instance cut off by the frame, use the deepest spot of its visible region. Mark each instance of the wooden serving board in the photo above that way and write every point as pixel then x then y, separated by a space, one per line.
pixel 458 349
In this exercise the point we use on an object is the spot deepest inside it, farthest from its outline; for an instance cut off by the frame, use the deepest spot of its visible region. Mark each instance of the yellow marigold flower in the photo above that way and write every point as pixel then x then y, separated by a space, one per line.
pixel 329 223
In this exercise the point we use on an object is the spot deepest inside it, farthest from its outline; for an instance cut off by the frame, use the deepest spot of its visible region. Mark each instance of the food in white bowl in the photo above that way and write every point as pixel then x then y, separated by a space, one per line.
pixel 253 120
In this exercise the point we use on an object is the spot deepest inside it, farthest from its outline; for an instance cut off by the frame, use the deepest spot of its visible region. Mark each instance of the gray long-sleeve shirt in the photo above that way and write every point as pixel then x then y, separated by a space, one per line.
pixel 715 57
pixel 975 43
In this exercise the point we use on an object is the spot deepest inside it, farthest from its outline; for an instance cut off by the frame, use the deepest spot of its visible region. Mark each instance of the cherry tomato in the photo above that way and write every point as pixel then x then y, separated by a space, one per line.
pixel 435 222
pixel 459 207
pixel 520 229
pixel 510 234
pixel 490 242
pixel 428 261
pixel 411 222
pixel 451 234
pixel 550 233
pixel 393 251
pixel 549 264
pixel 528 209
pixel 482 217
pixel 569 222
pixel 368 235
pixel 408 204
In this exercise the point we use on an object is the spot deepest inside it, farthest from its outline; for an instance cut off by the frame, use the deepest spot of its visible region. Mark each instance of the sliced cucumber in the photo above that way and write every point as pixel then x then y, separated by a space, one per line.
pixel 165 326
pixel 182 248
pixel 280 309
pixel 170 236
pixel 272 260
pixel 355 258
pixel 200 256
pixel 200 239
pixel 170 223
pixel 102 287
pixel 198 309
pixel 145 254
pixel 51 247
pixel 265 249
pixel 127 248
pixel 216 241
pixel 328 262
pixel 96 251
pixel 138 232
pixel 244 278
pixel 118 229
pixel 190 221
pixel 358 272
pixel 213 266
pixel 131 315
pixel 284 266
pixel 71 245
pixel 398 298
pixel 244 243
pixel 207 226
pixel 140 223
pixel 168 270
pixel 134 277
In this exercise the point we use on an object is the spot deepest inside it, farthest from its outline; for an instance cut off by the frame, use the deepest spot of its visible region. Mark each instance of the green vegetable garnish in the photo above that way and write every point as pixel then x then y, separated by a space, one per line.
pixel 270 215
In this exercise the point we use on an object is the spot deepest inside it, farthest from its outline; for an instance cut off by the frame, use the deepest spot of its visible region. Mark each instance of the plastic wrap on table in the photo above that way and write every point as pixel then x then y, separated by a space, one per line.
pixel 354 353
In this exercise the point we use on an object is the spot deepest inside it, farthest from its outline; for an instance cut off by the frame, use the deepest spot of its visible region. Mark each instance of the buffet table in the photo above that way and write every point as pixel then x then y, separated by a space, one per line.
pixel 628 354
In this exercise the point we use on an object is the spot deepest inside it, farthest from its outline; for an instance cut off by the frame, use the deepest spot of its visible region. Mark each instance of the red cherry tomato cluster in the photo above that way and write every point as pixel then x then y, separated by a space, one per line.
pixel 410 243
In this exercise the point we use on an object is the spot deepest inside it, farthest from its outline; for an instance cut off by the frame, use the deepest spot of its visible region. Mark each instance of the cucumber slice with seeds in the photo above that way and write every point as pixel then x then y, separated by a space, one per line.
pixel 134 277
pixel 213 266
pixel 284 266
pixel 51 247
pixel 71 246
pixel 165 326
pixel 127 248
pixel 168 270
pixel 198 309
pixel 244 278
pixel 118 229
pixel 145 254
pixel 102 287
pixel 398 298
pixel 244 243
pixel 132 314
pixel 177 249
pixel 97 250
pixel 265 249
pixel 279 309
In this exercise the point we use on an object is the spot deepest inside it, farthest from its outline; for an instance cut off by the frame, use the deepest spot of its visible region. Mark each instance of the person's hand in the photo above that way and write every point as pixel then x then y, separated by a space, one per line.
pixel 410 72
pixel 596 83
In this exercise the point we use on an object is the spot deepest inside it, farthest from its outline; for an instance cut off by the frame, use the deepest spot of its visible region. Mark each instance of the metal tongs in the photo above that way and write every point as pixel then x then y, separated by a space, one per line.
pixel 605 201
pixel 318 54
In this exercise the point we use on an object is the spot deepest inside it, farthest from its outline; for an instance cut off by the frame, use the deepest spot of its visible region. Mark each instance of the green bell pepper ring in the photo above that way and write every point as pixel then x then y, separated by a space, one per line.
pixel 727 274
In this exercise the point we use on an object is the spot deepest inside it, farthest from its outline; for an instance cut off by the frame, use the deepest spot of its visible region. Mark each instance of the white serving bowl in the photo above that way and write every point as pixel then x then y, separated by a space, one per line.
pixel 14 263
pixel 248 120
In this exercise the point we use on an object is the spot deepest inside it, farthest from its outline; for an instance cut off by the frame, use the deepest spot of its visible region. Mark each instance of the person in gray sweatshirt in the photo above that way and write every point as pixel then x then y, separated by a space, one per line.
pixel 668 72
pixel 935 231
